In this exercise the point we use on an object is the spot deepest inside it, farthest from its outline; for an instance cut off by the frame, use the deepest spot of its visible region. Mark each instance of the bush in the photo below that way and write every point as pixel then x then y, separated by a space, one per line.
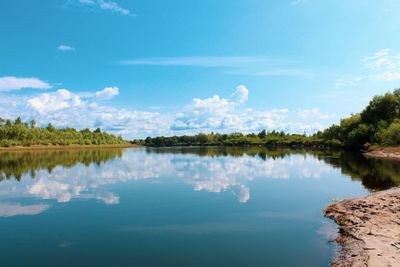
pixel 26 143
pixel 391 135
pixel 333 142
pixel 358 136
pixel 5 143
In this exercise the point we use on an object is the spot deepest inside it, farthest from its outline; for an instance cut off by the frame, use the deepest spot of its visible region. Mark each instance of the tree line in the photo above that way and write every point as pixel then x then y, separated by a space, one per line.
pixel 378 123
pixel 17 132
pixel 263 138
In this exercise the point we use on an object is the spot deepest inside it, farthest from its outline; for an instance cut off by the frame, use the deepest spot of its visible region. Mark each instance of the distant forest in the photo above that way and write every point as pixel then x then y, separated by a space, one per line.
pixel 378 123
pixel 14 133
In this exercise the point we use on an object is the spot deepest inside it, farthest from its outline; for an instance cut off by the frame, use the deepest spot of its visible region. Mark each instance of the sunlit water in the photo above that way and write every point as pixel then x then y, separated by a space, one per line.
pixel 178 206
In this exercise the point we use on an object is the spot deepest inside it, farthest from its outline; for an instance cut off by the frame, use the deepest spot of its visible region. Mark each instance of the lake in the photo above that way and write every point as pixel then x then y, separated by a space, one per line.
pixel 184 206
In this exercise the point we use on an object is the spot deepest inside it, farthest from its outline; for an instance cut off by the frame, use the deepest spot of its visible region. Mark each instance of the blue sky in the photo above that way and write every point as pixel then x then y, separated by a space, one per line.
pixel 141 68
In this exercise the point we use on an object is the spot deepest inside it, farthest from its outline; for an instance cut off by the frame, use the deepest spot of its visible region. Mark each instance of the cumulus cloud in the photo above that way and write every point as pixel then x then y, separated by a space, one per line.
pixel 65 48
pixel 107 93
pixel 241 94
pixel 106 5
pixel 51 102
pixel 64 108
pixel 226 115
pixel 214 114
pixel 9 83
pixel 227 174
pixel 108 198
pixel 14 209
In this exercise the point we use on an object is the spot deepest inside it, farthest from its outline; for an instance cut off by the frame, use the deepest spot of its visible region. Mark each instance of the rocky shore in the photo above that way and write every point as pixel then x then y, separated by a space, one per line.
pixel 369 229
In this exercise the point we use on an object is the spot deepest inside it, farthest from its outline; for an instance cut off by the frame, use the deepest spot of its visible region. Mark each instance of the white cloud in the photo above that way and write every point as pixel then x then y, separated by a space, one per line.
pixel 107 93
pixel 14 209
pixel 386 76
pixel 107 5
pixel 65 48
pixel 234 65
pixel 108 198
pixel 227 174
pixel 285 72
pixel 9 83
pixel 64 108
pixel 241 94
pixel 51 102
pixel 314 113
pixel 345 83
pixel 384 65
pixel 226 115
pixel 199 61
pixel 113 6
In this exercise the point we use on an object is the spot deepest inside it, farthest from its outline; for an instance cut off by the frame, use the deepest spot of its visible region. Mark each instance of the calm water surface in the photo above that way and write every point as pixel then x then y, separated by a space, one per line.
pixel 177 206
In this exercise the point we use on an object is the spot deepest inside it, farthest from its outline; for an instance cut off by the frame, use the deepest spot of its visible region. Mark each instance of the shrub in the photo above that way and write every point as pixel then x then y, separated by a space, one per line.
pixel 391 135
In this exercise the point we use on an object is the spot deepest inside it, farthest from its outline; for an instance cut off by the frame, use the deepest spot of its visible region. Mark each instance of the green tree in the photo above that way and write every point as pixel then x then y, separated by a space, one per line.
pixel 262 134
pixel 50 127
pixel 384 107
pixel 18 121
pixel 33 123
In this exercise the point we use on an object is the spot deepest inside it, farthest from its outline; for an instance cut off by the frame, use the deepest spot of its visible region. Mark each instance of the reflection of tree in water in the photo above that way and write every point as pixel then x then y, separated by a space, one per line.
pixel 374 173
pixel 15 164
pixel 262 152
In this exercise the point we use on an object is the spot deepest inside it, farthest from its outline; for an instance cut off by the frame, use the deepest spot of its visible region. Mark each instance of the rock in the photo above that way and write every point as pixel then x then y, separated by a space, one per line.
pixel 369 229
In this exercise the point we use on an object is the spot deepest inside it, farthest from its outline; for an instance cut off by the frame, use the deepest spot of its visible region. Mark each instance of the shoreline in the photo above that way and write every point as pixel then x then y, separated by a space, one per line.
pixel 64 147
pixel 384 152
pixel 369 229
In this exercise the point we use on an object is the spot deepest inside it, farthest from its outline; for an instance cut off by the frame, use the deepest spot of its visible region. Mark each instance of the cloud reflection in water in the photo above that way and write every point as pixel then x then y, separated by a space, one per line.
pixel 208 173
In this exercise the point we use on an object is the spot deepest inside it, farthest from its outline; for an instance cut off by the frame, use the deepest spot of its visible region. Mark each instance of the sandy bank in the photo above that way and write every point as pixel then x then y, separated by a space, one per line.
pixel 369 229
pixel 384 152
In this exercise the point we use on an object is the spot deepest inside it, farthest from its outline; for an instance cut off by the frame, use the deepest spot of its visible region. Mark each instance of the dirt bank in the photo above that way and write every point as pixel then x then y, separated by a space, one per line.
pixel 369 229
pixel 384 152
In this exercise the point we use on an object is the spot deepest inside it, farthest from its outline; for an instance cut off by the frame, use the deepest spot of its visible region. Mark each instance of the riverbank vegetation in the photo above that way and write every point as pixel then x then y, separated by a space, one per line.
pixel 263 138
pixel 19 133
pixel 378 123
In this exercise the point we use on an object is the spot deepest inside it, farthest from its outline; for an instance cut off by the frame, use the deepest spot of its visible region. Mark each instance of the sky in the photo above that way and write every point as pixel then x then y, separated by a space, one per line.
pixel 151 67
